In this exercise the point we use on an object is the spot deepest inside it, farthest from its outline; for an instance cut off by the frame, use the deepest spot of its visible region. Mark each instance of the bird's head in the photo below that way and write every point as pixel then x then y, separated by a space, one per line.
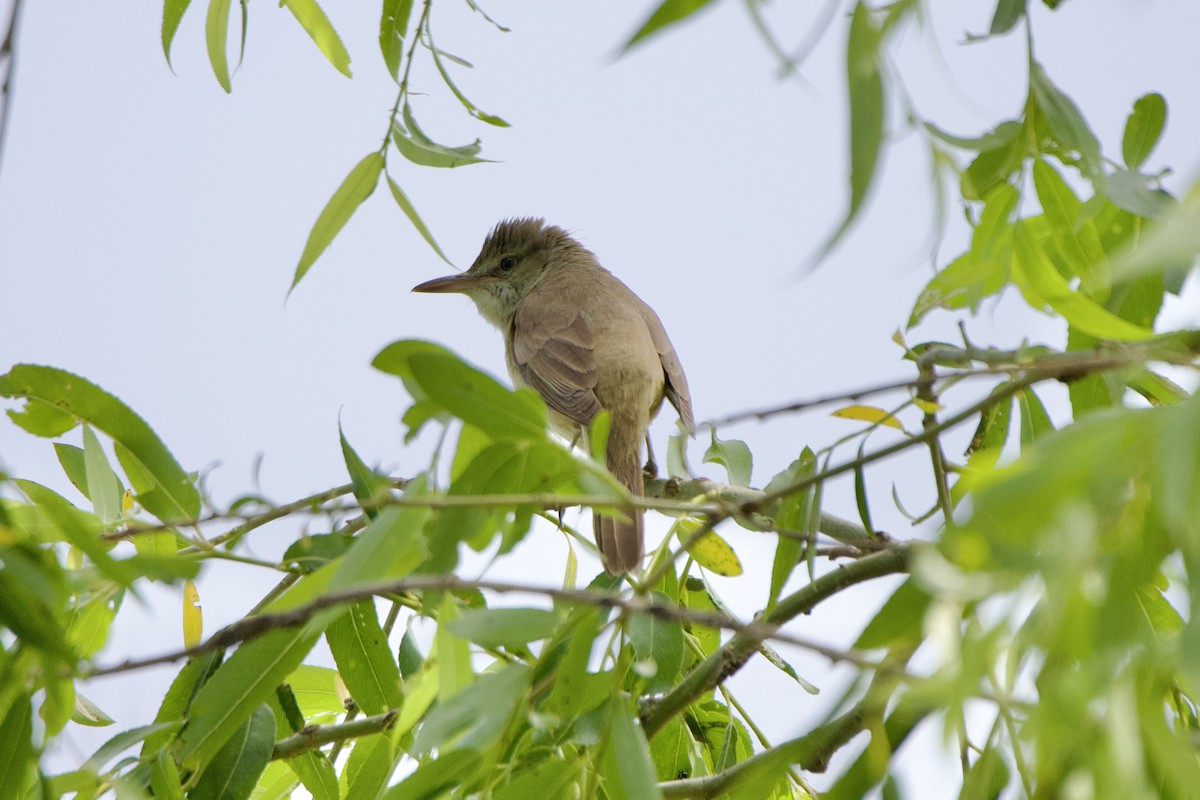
pixel 516 255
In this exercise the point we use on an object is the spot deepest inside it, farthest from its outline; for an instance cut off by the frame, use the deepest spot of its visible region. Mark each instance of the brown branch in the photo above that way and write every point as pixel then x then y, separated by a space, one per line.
pixel 8 62
pixel 255 626
pixel 723 663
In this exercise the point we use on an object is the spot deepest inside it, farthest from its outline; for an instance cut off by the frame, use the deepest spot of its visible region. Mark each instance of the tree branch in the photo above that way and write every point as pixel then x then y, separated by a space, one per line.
pixel 255 626
pixel 8 63
pixel 706 675
pixel 316 736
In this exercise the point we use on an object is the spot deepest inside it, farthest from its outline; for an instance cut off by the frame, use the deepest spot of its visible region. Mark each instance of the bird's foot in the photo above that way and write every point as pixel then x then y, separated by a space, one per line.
pixel 651 468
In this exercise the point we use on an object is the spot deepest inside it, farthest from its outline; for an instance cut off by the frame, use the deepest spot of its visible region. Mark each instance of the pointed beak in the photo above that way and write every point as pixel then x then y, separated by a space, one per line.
pixel 462 282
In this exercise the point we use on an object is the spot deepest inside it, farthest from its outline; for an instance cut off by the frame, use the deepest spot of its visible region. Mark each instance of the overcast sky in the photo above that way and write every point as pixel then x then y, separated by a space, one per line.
pixel 150 225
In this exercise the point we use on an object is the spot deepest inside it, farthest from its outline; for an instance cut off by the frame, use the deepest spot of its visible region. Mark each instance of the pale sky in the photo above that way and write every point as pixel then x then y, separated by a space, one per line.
pixel 150 225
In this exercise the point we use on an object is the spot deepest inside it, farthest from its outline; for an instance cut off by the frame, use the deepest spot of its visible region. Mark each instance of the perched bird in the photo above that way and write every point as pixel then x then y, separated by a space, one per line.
pixel 584 342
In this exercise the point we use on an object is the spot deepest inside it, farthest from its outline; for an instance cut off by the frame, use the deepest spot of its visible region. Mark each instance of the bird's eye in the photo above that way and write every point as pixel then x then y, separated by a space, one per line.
pixel 508 262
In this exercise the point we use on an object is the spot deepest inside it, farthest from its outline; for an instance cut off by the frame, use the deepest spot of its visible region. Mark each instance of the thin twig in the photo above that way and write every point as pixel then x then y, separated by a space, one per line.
pixel 8 62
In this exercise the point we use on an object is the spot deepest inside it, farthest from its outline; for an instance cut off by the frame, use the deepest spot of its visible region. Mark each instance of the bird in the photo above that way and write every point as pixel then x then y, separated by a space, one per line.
pixel 580 338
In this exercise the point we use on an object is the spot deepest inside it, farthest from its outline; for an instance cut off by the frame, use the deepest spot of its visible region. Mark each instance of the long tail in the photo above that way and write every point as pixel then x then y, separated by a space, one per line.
pixel 620 540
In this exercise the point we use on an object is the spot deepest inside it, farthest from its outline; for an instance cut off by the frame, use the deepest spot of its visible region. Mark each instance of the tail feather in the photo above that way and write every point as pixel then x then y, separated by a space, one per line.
pixel 621 539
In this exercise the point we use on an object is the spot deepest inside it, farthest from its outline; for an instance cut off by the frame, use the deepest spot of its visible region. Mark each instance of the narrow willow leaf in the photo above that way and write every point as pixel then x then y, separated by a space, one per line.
pixel 657 642
pixel 235 770
pixel 370 767
pixel 1076 236
pixel 860 493
pixel 163 488
pixel 792 517
pixel 393 24
pixel 478 715
pixel 551 778
pixel 1067 124
pixel 1143 129
pixel 435 778
pixel 364 659
pixel 1008 13
pixel 216 36
pixel 482 116
pixel 505 627
pixel 122 741
pixel 104 490
pixel 670 12
pixel 369 486
pixel 354 190
pixel 178 699
pixel 876 416
pixel 479 399
pixel 16 747
pixel 1036 276
pixel 410 211
pixel 1035 422
pixel 173 11
pixel 626 765
pixel 433 155
pixel 164 778
pixel 865 88
pixel 312 18
pixel 1000 136
pixel 237 688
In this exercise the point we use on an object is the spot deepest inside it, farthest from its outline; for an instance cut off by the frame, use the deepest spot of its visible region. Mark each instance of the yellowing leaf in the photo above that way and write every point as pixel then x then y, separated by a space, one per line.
pixel 868 414
pixel 928 406
pixel 710 550
pixel 193 617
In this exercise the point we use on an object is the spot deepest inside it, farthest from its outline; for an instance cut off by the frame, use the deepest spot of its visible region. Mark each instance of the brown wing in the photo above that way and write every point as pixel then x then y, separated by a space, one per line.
pixel 676 388
pixel 555 355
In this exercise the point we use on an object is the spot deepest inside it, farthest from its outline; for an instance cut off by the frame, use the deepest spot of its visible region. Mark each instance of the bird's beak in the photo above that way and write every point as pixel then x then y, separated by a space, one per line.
pixel 463 282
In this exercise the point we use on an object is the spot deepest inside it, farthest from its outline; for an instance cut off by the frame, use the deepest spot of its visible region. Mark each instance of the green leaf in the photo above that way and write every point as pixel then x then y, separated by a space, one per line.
pixel 1035 422
pixel 1076 237
pixel 550 779
pixel 393 24
pixel 1008 13
pixel 370 767
pixel 734 455
pixel 1137 194
pixel 178 700
pixel 865 89
pixel 163 488
pixel 364 659
pixel 436 778
pixel 1066 123
pixel 237 688
pixel 410 211
pixel 17 760
pixel 476 716
pixel 482 116
pixel 123 741
pixel 369 486
pixel 391 547
pixel 104 490
pixel 658 645
pixel 626 766
pixel 312 18
pixel 89 714
pixel 792 517
pixel 173 11
pixel 234 772
pixel 216 36
pixel 900 622
pixel 317 774
pixel 1036 276
pixel 418 148
pixel 354 190
pixel 164 778
pixel 670 12
pixel 479 399
pixel 999 137
pixel 1143 129
pixel 505 627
